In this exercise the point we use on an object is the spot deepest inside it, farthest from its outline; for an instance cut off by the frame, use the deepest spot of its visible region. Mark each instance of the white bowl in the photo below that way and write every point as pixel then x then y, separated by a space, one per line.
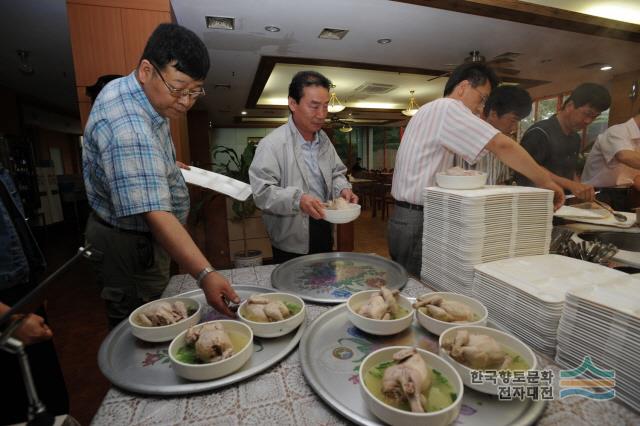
pixel 165 332
pixel 505 339
pixel 374 326
pixel 342 215
pixel 213 370
pixel 278 328
pixel 461 182
pixel 437 327
pixel 397 417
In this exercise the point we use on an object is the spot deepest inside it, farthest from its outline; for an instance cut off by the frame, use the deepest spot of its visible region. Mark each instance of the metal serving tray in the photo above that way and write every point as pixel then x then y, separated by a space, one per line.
pixel 142 367
pixel 332 349
pixel 333 277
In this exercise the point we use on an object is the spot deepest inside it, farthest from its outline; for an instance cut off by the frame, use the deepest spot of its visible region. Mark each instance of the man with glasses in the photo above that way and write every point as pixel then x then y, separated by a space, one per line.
pixel 555 143
pixel 440 129
pixel 138 195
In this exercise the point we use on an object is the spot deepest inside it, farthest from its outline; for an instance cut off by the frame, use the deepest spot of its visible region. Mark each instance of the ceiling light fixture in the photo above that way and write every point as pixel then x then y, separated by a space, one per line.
pixel 244 113
pixel 334 102
pixel 384 41
pixel 413 106
pixel 346 128
pixel 606 68
pixel 24 67
pixel 272 28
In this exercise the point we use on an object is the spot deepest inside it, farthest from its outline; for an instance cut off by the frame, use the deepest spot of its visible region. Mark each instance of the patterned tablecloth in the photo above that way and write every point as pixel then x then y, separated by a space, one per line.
pixel 280 396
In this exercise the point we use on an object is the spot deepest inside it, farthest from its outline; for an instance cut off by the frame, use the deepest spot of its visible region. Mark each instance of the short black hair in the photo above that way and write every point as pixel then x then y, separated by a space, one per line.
pixel 304 79
pixel 93 91
pixel 506 99
pixel 477 74
pixel 595 95
pixel 173 43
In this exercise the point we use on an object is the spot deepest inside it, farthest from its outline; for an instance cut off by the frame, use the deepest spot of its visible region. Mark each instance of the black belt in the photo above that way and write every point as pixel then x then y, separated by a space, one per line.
pixel 115 228
pixel 409 205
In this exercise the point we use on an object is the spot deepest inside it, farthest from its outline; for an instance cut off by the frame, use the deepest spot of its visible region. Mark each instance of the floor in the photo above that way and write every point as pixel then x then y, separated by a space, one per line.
pixel 77 315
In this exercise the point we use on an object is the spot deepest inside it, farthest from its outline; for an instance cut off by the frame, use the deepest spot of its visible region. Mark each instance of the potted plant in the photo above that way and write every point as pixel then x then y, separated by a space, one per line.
pixel 227 162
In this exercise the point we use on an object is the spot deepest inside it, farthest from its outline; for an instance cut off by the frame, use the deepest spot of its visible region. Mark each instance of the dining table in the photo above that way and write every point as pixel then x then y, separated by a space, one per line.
pixel 280 395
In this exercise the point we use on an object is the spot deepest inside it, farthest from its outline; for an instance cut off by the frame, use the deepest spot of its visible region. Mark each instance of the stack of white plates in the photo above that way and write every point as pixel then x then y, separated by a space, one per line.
pixel 463 228
pixel 603 322
pixel 526 295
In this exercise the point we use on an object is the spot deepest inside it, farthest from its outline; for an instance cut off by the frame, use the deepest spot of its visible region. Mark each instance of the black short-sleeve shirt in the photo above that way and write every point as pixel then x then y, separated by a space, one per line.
pixel 551 148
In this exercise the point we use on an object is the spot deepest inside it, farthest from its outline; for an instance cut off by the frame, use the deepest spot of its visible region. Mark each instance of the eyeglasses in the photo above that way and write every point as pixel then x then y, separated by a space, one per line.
pixel 483 98
pixel 179 93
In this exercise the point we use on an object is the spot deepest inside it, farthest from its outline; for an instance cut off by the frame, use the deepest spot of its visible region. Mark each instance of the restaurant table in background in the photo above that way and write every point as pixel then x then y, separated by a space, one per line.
pixel 280 396
pixel 355 180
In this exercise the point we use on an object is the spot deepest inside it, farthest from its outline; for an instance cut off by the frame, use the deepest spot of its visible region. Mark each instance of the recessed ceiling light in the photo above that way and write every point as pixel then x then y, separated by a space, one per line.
pixel 220 22
pixel 606 68
pixel 384 41
pixel 272 28
pixel 244 113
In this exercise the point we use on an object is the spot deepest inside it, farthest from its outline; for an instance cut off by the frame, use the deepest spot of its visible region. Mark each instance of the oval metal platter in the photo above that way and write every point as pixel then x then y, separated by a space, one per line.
pixel 334 277
pixel 332 349
pixel 142 367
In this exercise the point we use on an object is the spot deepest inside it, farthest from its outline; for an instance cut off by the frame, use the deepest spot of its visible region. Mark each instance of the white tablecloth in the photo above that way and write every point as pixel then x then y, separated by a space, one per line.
pixel 279 396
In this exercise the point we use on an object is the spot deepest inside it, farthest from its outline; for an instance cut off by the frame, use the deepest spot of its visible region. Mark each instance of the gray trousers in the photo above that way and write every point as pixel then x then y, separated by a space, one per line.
pixel 133 270
pixel 404 235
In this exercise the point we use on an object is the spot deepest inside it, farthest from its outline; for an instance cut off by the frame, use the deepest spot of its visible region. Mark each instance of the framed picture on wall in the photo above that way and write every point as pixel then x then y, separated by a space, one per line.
pixel 254 140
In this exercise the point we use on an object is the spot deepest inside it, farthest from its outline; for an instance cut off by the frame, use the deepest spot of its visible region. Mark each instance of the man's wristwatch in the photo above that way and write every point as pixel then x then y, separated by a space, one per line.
pixel 202 274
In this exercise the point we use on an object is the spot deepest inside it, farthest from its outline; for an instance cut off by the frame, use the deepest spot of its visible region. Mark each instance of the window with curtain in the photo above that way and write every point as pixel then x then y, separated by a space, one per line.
pixel 377 141
pixel 599 125
pixel 546 108
pixel 385 142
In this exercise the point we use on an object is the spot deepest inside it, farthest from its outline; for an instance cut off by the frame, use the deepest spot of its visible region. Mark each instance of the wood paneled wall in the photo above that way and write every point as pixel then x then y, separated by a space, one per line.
pixel 108 37
pixel 9 115
pixel 622 107
pixel 66 143
pixel 199 137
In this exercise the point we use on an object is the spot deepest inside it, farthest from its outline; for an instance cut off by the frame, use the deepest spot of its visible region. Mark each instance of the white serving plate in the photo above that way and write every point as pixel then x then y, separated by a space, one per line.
pixel 217 182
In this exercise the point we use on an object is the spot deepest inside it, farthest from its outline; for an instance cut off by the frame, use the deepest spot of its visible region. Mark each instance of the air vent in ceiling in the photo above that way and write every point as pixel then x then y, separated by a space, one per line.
pixel 220 23
pixel 333 34
pixel 374 88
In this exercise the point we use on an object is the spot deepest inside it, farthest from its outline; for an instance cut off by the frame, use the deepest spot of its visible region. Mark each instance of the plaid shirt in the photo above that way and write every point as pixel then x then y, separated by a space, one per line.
pixel 128 159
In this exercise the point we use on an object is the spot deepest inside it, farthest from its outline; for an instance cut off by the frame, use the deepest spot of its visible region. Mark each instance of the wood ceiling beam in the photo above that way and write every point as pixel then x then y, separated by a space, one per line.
pixel 542 16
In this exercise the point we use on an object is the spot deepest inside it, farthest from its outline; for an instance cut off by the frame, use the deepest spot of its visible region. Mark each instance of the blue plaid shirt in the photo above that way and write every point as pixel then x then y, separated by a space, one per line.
pixel 128 159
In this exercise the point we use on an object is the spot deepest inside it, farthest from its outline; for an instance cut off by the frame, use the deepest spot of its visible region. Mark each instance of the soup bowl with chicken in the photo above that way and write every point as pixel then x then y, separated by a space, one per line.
pixel 272 314
pixel 410 386
pixel 211 350
pixel 163 319
pixel 474 350
pixel 439 311
pixel 382 312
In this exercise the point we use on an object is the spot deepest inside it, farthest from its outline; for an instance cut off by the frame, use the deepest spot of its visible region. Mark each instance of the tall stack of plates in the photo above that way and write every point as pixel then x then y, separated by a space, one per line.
pixel 526 295
pixel 603 322
pixel 463 228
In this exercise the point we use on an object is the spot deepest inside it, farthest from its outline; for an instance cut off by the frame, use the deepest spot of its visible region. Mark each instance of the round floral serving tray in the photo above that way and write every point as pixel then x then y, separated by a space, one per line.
pixel 334 277
pixel 332 349
pixel 137 366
